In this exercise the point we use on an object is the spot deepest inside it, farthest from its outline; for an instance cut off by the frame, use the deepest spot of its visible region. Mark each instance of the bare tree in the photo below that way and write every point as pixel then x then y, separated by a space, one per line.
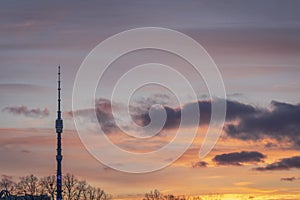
pixel 154 195
pixel 7 184
pixel 90 193
pixel 73 188
pixel 81 188
pixel 169 197
pixel 28 185
pixel 70 183
pixel 48 185
pixel 106 196
pixel 99 194
pixel 94 193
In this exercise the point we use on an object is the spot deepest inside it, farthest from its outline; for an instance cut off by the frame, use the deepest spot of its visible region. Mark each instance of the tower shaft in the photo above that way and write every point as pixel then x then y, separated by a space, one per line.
pixel 59 130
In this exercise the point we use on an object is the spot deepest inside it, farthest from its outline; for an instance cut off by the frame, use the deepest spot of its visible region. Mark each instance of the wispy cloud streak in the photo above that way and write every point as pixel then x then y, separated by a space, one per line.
pixel 25 111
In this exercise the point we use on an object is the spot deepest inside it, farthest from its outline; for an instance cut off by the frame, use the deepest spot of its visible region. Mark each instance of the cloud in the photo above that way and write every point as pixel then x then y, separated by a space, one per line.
pixel 105 116
pixel 103 113
pixel 283 164
pixel 140 112
pixel 234 110
pixel 290 179
pixel 281 122
pixel 23 110
pixel 243 121
pixel 270 145
pixel 238 158
pixel 200 164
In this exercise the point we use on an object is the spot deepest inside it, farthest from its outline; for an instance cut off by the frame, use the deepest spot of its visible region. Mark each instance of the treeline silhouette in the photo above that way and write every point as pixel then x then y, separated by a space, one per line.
pixel 157 195
pixel 73 188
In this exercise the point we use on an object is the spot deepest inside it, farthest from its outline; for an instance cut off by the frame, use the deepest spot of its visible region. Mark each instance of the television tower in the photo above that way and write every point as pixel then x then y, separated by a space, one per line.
pixel 59 130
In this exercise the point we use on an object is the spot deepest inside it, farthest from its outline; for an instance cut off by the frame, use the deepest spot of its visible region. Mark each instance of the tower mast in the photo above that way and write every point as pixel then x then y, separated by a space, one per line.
pixel 59 130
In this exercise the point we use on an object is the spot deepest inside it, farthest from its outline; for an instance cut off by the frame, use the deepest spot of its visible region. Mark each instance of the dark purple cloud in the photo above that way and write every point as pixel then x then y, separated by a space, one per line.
pixel 289 179
pixel 282 164
pixel 23 110
pixel 282 123
pixel 238 158
pixel 243 121
pixel 199 164
pixel 234 111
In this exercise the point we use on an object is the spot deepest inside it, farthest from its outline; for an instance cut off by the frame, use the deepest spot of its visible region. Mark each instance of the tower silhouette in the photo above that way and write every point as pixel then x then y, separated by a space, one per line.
pixel 59 130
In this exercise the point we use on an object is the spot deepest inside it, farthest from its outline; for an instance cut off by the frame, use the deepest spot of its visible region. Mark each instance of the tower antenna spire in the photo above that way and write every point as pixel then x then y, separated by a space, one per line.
pixel 59 130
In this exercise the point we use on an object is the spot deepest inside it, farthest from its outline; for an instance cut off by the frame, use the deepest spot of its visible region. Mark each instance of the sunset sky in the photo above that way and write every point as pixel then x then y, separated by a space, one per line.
pixel 255 44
